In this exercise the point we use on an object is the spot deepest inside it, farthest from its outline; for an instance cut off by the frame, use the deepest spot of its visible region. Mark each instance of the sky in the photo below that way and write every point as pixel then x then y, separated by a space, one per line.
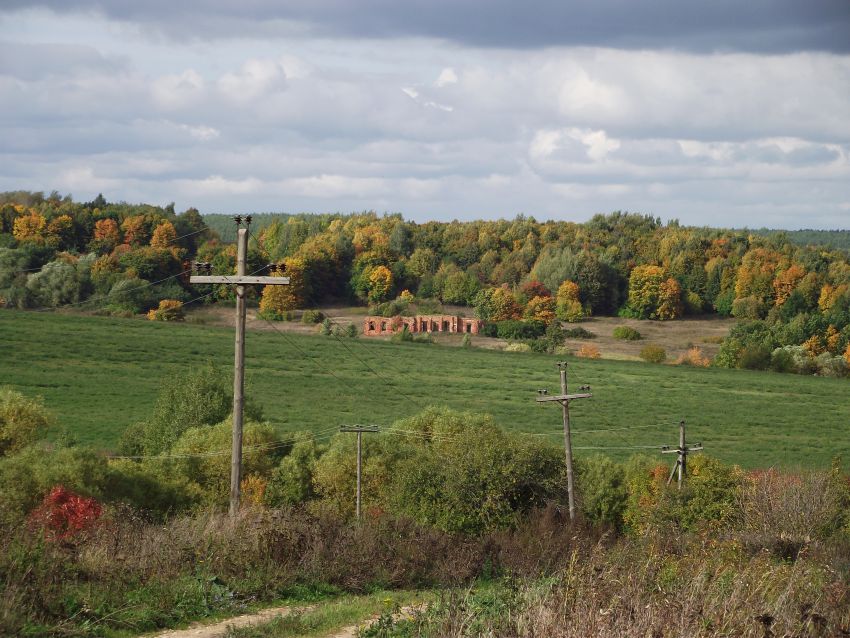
pixel 721 113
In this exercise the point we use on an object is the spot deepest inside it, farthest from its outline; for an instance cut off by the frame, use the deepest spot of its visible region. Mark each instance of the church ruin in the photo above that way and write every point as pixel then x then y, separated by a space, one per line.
pixel 377 326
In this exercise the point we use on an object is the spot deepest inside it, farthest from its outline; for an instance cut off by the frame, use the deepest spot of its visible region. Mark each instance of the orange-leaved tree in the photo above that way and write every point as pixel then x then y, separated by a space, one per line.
pixel 106 235
pixel 540 309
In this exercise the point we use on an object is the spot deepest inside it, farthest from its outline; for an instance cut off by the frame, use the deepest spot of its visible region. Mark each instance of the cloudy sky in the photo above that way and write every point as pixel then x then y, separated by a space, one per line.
pixel 716 113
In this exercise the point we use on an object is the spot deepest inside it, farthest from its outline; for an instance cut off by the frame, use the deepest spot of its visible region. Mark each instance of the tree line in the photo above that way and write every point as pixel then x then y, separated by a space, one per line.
pixel 792 300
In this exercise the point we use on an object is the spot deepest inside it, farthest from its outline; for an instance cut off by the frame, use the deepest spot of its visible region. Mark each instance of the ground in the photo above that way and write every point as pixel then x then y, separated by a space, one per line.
pixel 676 337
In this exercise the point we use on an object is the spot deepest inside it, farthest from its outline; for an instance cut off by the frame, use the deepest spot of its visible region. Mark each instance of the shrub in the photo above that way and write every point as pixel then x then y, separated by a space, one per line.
pixel 169 310
pixel 653 354
pixel 326 328
pixel 578 333
pixel 133 295
pixel 514 329
pixel 466 342
pixel 626 333
pixel 694 357
pixel 291 482
pixel 518 347
pixel 312 316
pixel 401 337
pixel 602 485
pixel 754 357
pixel 588 351
pixel 389 308
pixel 782 361
pixel 22 421
pixel 64 514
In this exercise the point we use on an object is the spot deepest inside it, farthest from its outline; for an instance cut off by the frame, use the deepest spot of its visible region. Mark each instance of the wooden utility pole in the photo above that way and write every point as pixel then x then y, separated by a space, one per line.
pixel 564 399
pixel 240 281
pixel 360 429
pixel 683 450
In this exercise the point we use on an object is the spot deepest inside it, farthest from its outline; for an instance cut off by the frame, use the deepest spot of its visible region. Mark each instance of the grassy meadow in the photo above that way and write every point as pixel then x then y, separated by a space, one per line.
pixel 99 375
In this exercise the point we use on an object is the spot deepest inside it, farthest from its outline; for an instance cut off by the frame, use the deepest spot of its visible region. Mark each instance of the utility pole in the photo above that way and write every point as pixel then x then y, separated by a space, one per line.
pixel 682 451
pixel 360 429
pixel 564 399
pixel 240 281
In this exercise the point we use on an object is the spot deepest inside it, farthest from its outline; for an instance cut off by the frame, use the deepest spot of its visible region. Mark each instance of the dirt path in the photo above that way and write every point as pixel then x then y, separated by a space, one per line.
pixel 219 629
pixel 351 631
pixel 216 630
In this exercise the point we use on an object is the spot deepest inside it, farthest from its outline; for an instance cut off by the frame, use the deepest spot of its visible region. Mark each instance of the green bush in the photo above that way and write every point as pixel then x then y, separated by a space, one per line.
pixel 754 357
pixel 602 485
pixel 579 333
pixel 626 333
pixel 782 361
pixel 22 421
pixel 653 354
pixel 312 316
pixel 291 482
pixel 515 329
pixel 466 342
pixel 203 396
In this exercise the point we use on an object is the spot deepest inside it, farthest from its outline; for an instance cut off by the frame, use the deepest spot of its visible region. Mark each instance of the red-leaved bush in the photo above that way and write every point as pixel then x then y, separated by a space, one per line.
pixel 64 514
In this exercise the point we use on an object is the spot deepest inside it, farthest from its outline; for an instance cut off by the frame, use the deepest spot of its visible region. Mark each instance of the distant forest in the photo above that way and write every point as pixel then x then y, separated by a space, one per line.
pixel 792 296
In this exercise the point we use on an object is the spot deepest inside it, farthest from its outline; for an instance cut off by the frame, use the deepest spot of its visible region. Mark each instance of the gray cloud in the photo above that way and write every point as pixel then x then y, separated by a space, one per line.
pixel 771 26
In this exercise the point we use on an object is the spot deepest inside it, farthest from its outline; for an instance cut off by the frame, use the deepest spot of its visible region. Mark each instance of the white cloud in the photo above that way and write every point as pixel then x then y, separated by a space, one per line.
pixel 312 124
pixel 447 76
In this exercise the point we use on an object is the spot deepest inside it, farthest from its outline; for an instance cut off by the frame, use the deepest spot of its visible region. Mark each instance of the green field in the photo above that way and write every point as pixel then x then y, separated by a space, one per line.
pixel 98 375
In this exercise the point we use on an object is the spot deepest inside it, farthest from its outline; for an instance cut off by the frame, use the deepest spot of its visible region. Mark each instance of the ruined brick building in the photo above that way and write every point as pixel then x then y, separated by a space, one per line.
pixel 374 326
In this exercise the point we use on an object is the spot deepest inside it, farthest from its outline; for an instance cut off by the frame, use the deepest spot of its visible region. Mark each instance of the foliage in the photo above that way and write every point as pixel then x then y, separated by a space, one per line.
pixel 588 351
pixel 496 304
pixel 569 306
pixel 540 309
pixel 312 316
pixel 202 457
pixel 291 483
pixel 653 353
pixel 278 299
pixel 22 421
pixel 63 514
pixel 578 333
pixel 694 357
pixel 380 284
pixel 168 310
pixel 59 282
pixel 201 397
pixel 626 333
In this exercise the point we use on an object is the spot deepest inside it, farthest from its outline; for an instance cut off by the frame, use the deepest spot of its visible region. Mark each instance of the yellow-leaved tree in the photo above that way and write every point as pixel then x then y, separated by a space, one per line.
pixel 380 284
pixel 30 228
pixel 568 307
pixel 164 235
pixel 278 300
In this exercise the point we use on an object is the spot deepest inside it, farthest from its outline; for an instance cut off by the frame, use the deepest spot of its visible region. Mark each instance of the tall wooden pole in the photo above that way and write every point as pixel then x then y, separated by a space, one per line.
pixel 568 445
pixel 683 454
pixel 564 399
pixel 359 469
pixel 240 280
pixel 359 429
pixel 238 374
